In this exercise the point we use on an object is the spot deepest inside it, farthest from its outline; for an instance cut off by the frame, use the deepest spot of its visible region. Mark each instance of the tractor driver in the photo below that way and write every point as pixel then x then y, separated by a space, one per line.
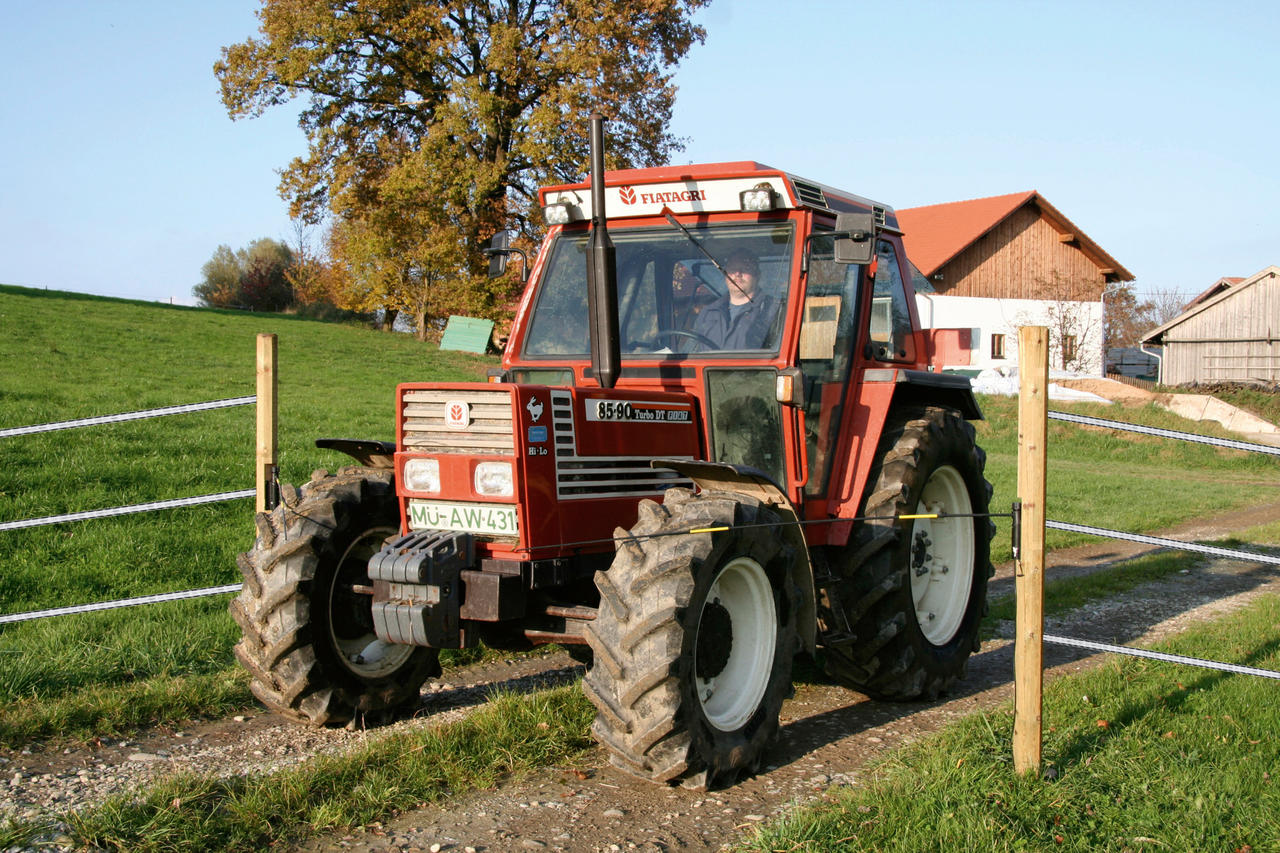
pixel 743 317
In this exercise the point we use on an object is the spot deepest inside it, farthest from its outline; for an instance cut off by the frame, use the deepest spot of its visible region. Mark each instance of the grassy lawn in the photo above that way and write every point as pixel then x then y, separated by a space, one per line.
pixel 1139 755
pixel 1121 480
pixel 82 356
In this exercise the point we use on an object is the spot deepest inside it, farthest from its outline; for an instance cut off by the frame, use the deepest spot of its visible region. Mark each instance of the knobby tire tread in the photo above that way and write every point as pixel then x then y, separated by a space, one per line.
pixel 646 718
pixel 292 667
pixel 888 656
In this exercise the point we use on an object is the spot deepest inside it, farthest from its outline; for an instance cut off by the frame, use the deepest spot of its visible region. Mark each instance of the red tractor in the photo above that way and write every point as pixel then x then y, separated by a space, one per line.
pixel 715 441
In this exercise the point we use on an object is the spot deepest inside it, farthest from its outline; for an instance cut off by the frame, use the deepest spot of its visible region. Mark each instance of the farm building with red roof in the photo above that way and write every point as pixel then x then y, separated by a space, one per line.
pixel 994 264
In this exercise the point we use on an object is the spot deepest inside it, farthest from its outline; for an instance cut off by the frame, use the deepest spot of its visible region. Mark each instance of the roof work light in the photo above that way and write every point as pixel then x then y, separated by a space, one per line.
pixel 759 198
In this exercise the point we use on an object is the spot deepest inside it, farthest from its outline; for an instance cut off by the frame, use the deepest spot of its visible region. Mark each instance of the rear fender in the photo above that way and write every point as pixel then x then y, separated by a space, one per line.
pixel 752 482
pixel 881 395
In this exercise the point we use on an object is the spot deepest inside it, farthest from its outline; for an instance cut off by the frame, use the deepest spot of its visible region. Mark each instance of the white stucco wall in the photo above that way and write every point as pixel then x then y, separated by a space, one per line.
pixel 1004 316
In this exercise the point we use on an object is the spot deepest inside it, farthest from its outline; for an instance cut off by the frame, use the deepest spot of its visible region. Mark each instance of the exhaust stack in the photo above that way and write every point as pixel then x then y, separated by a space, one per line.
pixel 602 272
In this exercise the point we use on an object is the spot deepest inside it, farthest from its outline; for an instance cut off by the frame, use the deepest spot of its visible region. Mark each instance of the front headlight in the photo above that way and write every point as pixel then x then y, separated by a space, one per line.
pixel 422 475
pixel 493 479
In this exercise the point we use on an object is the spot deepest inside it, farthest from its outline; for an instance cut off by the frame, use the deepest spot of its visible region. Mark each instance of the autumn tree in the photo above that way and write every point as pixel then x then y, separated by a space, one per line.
pixel 255 277
pixel 431 124
pixel 1127 318
pixel 220 279
pixel 1167 304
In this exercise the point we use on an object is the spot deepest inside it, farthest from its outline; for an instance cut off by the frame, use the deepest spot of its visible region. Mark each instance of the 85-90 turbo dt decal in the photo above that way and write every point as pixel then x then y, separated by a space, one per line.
pixel 636 411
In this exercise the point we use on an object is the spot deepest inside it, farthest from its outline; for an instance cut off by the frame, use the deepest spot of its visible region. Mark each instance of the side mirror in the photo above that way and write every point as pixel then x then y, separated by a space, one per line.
pixel 499 250
pixel 855 238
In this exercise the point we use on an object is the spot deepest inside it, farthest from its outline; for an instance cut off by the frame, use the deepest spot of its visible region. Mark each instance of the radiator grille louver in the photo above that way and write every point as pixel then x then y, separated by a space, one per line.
pixel 490 430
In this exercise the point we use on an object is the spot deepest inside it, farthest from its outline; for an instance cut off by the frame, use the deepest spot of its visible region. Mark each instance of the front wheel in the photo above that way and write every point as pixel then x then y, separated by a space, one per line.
pixel 694 639
pixel 904 612
pixel 305 610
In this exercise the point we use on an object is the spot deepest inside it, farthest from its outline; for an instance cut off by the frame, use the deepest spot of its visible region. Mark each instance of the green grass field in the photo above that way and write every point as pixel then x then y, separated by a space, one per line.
pixel 74 356
pixel 1121 480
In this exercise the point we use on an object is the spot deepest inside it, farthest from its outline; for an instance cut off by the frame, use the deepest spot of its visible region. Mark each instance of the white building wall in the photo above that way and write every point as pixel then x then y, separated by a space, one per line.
pixel 987 317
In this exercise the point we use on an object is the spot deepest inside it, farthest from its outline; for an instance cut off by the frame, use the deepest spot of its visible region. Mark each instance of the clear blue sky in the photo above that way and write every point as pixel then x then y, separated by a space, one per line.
pixel 1153 126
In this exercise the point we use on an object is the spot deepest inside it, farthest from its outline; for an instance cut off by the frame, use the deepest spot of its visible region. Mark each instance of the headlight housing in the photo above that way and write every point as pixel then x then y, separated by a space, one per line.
pixel 493 479
pixel 557 214
pixel 422 475
pixel 758 198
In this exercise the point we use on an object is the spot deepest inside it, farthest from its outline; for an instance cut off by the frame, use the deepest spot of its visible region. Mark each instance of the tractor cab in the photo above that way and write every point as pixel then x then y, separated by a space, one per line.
pixel 754 291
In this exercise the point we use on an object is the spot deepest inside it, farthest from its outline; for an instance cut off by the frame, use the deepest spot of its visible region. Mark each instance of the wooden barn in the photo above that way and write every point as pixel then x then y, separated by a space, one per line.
pixel 998 263
pixel 1231 336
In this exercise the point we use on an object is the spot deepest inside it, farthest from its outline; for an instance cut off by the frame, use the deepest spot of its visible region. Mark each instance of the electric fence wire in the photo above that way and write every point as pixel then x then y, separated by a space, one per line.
pixel 123 602
pixel 152 506
pixel 1166 433
pixel 1176 544
pixel 1161 656
pixel 130 416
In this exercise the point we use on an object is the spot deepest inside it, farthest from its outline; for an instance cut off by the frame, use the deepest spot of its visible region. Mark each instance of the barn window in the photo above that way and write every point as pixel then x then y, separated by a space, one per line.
pixel 997 346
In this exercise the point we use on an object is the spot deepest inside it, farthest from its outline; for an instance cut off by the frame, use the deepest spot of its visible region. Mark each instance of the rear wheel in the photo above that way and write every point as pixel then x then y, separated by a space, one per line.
pixel 694 639
pixel 305 610
pixel 911 593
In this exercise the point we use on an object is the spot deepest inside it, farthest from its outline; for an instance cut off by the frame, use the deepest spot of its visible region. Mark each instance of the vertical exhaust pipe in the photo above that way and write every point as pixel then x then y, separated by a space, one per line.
pixel 602 272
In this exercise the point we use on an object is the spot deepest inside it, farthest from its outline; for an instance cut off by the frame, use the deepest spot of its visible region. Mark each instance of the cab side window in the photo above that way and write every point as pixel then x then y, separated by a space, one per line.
pixel 891 338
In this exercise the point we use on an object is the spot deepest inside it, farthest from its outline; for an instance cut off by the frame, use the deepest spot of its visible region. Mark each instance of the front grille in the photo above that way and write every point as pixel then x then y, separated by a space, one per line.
pixel 489 429
pixel 601 477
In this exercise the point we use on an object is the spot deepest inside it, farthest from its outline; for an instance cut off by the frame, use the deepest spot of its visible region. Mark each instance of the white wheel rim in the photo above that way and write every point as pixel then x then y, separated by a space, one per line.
pixel 731 696
pixel 941 564
pixel 365 655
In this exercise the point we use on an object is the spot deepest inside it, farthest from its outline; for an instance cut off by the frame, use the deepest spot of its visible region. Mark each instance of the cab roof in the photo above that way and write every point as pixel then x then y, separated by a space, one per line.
pixel 707 187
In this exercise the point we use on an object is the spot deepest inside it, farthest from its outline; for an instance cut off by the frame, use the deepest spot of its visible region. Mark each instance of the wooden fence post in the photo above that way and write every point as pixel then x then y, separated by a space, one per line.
pixel 1028 659
pixel 267 411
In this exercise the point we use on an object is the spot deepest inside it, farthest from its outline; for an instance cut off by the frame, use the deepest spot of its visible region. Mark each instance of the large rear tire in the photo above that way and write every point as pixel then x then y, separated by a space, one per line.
pixel 307 626
pixel 913 592
pixel 694 639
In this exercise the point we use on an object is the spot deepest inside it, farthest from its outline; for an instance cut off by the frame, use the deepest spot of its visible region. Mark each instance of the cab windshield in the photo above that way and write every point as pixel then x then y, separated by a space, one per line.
pixel 710 289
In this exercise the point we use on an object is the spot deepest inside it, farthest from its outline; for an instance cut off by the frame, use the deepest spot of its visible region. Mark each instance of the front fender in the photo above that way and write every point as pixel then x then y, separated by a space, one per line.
pixel 371 454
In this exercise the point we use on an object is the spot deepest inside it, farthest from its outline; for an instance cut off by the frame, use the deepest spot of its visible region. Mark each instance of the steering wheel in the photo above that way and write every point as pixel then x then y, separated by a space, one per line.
pixel 693 336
